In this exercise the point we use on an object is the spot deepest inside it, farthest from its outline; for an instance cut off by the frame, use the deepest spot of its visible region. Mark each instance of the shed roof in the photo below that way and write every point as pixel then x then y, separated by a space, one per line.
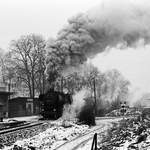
pixel 6 93
pixel 22 98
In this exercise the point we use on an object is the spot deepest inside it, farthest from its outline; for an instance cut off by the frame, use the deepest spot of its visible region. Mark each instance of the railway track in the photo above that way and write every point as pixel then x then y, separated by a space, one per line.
pixel 10 136
pixel 29 125
pixel 77 142
pixel 85 142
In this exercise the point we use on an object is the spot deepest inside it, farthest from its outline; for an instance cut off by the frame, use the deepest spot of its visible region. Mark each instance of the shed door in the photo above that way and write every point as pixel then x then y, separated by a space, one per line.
pixel 29 108
pixel 1 111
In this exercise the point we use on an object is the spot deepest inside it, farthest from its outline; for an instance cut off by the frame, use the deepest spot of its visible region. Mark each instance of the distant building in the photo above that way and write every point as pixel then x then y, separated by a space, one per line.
pixel 15 101
pixel 4 100
pixel 23 106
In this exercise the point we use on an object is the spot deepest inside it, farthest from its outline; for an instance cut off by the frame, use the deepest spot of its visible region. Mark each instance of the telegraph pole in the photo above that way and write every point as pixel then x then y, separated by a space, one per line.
pixel 61 84
pixel 95 101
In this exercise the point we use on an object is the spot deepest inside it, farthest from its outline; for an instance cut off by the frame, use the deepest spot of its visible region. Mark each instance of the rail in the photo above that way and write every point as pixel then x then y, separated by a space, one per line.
pixel 19 128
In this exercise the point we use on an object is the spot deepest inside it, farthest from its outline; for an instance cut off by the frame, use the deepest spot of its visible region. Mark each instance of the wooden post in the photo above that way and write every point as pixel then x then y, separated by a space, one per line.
pixel 8 99
pixel 61 84
pixel 94 85
pixel 94 142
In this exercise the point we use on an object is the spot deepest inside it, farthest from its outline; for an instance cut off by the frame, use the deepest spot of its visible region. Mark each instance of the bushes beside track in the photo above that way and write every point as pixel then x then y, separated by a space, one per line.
pixel 87 114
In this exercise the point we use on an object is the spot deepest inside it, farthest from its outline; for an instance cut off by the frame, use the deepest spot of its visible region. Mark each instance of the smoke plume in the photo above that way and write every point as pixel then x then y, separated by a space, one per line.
pixel 112 23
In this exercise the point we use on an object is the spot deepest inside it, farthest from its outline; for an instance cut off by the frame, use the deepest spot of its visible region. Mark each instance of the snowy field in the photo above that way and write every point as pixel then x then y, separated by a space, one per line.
pixel 129 134
pixel 59 134
pixel 51 138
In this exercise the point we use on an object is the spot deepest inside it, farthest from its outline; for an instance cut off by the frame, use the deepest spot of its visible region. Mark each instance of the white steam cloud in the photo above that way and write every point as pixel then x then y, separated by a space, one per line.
pixel 70 111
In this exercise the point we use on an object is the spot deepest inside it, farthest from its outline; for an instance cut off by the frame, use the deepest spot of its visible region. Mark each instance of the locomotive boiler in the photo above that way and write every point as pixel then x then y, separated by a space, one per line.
pixel 52 103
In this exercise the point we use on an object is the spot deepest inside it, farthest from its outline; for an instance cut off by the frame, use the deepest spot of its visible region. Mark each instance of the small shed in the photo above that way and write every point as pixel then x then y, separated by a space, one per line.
pixel 23 106
pixel 4 97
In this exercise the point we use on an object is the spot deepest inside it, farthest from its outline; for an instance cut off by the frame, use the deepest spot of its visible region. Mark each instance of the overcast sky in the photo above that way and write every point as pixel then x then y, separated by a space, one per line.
pixel 47 17
pixel 133 64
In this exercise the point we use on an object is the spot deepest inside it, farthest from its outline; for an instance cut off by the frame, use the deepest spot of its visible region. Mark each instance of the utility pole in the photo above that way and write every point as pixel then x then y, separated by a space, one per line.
pixel 95 101
pixel 61 84
pixel 8 99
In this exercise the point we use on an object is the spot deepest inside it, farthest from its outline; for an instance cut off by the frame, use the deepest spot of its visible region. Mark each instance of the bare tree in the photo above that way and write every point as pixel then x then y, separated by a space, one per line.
pixel 7 69
pixel 28 55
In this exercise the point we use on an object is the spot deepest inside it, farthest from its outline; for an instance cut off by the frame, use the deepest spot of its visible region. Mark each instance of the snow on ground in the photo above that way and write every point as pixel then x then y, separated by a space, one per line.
pixel 25 118
pixel 84 142
pixel 52 137
pixel 129 134
pixel 88 144
pixel 60 132
pixel 85 146
pixel 144 145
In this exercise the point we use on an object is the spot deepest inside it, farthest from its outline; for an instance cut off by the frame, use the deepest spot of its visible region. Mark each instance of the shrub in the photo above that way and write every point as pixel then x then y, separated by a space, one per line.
pixel 87 115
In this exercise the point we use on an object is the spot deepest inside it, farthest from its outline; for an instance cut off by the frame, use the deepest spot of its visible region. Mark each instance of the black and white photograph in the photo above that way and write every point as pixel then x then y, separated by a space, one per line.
pixel 74 75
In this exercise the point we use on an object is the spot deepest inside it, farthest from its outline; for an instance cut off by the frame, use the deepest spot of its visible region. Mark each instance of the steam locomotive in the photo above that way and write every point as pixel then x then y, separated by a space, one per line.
pixel 52 103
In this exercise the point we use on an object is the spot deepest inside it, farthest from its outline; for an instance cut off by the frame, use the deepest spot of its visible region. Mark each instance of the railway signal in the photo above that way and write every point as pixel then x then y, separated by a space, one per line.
pixel 123 109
